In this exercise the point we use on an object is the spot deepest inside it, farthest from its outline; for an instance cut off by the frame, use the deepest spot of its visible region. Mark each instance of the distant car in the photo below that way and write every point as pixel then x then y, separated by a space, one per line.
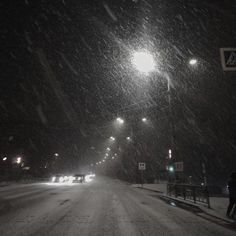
pixel 58 178
pixel 89 177
pixel 78 178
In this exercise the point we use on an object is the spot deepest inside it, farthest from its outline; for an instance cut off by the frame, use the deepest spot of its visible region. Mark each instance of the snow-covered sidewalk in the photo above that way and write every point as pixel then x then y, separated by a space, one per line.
pixel 218 204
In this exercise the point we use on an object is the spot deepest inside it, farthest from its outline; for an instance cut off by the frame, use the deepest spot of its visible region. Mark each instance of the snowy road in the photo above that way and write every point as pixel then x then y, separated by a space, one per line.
pixel 102 207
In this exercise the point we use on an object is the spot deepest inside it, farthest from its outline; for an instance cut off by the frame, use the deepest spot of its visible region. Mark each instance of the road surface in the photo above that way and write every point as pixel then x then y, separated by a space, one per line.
pixel 101 207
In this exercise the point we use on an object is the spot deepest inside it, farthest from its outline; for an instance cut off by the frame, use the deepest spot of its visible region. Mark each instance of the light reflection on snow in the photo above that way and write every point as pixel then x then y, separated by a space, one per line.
pixel 62 184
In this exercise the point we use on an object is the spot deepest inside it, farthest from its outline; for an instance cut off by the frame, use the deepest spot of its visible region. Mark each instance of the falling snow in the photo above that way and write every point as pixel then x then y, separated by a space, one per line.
pixel 69 74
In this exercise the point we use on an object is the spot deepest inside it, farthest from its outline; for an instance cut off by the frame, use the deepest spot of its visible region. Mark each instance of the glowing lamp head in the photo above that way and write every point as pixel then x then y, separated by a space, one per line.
pixel 193 61
pixel 144 119
pixel 120 121
pixel 143 61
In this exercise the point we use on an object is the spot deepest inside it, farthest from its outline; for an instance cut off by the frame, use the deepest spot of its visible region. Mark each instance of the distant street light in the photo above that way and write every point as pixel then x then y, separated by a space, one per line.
pixel 120 120
pixel 143 61
pixel 112 158
pixel 56 154
pixel 193 61
pixel 144 119
pixel 4 158
pixel 128 138
pixel 108 149
pixel 112 138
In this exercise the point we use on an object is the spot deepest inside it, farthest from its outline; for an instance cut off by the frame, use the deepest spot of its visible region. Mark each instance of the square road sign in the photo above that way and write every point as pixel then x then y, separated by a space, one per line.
pixel 228 59
pixel 142 166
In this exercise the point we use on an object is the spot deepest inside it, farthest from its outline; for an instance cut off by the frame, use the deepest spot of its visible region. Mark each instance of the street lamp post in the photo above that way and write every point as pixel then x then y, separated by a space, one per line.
pixel 172 126
pixel 144 62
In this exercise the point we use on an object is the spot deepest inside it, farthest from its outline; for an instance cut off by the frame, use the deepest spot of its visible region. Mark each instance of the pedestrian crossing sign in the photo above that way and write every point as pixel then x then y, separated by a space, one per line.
pixel 228 59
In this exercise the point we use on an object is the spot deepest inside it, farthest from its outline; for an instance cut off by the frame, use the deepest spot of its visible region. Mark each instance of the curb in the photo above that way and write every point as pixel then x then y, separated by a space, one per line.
pixel 188 204
pixel 153 190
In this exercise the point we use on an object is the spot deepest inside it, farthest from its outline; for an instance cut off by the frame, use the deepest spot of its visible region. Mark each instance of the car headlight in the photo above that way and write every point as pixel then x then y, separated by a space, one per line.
pixel 61 179
pixel 53 179
pixel 71 178
pixel 88 178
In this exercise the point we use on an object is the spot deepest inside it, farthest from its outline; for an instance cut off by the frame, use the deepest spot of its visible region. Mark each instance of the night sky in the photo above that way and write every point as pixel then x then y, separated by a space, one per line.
pixel 66 75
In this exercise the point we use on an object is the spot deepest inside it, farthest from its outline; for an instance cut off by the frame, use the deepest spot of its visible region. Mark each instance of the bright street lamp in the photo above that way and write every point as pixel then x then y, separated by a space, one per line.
pixel 128 138
pixel 4 158
pixel 112 138
pixel 120 121
pixel 193 61
pixel 143 61
pixel 56 154
pixel 144 119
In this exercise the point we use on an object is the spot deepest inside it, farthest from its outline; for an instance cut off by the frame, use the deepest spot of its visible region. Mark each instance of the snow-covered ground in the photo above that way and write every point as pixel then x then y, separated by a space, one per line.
pixel 101 207
pixel 218 204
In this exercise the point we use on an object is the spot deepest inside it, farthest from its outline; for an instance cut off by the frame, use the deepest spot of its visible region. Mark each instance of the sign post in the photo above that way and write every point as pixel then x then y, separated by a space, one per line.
pixel 205 184
pixel 179 166
pixel 141 167
pixel 228 59
pixel 179 169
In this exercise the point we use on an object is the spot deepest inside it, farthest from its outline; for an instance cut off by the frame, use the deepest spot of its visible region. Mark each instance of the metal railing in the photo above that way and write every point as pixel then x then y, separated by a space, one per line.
pixel 195 193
